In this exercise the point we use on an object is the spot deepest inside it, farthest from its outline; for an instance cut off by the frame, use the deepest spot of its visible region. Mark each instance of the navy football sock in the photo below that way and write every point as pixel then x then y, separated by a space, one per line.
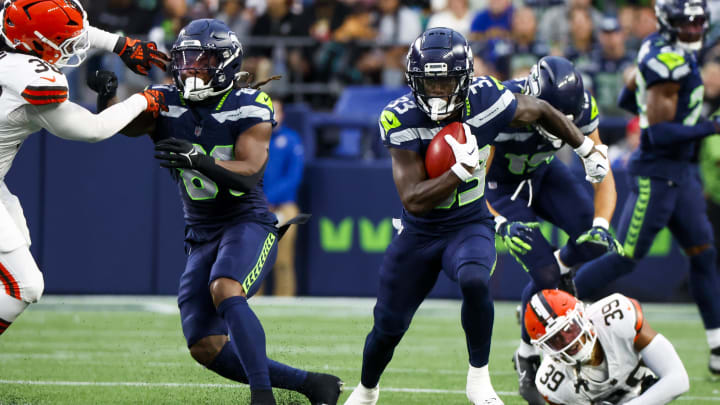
pixel 248 338
pixel 597 274
pixel 704 285
pixel 477 313
pixel 378 351
pixel 227 364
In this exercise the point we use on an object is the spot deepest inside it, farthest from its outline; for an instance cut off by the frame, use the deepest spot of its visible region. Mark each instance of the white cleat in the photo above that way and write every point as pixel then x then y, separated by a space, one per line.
pixel 364 396
pixel 479 390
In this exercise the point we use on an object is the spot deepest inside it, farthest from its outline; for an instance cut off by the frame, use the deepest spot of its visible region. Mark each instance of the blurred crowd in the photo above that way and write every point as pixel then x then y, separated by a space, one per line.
pixel 320 46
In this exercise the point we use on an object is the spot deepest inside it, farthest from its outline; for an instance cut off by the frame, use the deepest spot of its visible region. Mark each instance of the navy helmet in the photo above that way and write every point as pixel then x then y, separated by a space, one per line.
pixel 439 70
pixel 555 80
pixel 683 22
pixel 206 59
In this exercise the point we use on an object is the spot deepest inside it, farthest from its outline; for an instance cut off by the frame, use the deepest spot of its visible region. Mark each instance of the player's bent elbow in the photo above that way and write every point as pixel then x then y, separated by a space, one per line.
pixel 416 208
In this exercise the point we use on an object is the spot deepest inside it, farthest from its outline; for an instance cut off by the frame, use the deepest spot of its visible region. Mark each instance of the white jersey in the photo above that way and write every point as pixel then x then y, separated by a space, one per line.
pixel 617 320
pixel 25 80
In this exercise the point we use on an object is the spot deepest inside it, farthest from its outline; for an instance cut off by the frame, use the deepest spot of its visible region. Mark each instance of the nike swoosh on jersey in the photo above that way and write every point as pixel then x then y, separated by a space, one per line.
pixel 53 79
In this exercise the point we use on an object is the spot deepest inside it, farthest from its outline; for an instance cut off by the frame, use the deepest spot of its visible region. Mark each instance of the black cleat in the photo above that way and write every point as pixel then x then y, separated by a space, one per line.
pixel 262 397
pixel 526 368
pixel 714 364
pixel 322 389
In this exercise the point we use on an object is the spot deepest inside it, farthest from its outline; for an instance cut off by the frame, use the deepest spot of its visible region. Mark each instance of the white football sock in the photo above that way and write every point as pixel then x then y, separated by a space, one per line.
pixel 479 389
pixel 563 268
pixel 362 395
pixel 713 337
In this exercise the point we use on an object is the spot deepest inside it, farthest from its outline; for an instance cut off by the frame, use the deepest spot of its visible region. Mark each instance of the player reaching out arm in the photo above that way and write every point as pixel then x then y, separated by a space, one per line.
pixel 38 38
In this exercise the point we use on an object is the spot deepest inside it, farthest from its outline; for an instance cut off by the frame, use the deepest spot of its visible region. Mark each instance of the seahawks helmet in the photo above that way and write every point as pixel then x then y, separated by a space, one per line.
pixel 439 70
pixel 683 22
pixel 555 80
pixel 206 59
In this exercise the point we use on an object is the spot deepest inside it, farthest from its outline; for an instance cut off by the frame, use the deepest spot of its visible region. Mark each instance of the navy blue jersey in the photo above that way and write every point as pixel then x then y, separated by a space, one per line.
pixel 520 151
pixel 488 109
pixel 660 62
pixel 213 127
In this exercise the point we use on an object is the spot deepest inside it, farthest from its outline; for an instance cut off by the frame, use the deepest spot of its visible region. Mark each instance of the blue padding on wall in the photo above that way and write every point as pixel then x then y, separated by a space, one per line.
pixel 170 232
pixel 98 216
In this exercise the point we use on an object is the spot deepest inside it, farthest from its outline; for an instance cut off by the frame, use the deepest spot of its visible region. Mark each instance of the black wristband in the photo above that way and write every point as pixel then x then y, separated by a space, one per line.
pixel 119 45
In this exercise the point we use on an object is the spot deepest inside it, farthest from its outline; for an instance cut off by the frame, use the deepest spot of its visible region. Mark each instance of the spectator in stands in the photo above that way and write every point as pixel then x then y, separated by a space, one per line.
pixel 554 28
pixel 643 25
pixel 397 27
pixel 522 51
pixel 239 18
pixel 457 16
pixel 283 175
pixel 494 22
pixel 582 41
pixel 610 63
pixel 266 59
pixel 325 16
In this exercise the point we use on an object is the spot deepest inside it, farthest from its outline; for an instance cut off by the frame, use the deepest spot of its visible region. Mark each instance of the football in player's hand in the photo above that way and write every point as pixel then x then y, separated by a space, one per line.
pixel 439 157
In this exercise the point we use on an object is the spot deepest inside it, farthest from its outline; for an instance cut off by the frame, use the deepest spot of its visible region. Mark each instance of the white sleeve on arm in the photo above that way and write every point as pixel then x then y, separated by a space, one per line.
pixel 102 39
pixel 660 356
pixel 71 121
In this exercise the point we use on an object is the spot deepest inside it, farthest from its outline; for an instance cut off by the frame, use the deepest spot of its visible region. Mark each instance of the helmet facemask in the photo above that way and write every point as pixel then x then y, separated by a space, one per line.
pixel 72 51
pixel 198 71
pixel 569 338
pixel 439 94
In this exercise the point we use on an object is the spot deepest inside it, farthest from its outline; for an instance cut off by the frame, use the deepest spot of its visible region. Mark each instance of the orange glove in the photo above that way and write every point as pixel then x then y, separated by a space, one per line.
pixel 155 100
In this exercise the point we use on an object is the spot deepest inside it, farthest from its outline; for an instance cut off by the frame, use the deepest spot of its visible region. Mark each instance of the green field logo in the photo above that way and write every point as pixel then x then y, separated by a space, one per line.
pixel 375 237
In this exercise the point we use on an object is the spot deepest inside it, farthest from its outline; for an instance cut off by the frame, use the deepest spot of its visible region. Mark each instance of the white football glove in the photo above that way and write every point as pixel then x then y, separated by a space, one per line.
pixel 466 154
pixel 595 160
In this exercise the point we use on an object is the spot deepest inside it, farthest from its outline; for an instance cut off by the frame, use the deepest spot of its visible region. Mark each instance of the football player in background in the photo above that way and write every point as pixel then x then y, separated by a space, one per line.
pixel 526 183
pixel 38 38
pixel 602 354
pixel 214 138
pixel 667 190
pixel 445 221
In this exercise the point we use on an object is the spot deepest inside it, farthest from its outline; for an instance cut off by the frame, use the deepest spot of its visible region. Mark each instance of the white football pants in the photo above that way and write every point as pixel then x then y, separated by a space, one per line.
pixel 21 282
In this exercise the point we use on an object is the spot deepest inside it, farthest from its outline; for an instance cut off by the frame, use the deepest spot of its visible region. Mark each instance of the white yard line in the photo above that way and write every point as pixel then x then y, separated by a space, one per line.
pixel 235 386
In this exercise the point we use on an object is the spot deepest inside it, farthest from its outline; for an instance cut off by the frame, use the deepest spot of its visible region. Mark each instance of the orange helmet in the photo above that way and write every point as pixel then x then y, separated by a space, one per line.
pixel 54 30
pixel 556 323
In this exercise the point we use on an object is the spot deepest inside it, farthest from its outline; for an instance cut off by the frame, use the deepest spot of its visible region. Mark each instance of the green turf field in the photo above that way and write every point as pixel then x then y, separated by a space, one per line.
pixel 130 350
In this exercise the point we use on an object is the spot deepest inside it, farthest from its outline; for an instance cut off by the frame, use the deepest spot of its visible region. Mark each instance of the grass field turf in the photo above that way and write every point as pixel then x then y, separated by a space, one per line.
pixel 130 350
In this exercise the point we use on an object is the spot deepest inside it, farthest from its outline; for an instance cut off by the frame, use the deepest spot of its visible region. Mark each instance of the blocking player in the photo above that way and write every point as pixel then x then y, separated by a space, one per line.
pixel 214 138
pixel 38 38
pixel 446 224
pixel 667 190
pixel 525 183
pixel 604 354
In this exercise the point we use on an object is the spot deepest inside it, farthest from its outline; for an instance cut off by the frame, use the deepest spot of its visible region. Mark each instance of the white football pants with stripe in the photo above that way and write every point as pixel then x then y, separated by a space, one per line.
pixel 21 282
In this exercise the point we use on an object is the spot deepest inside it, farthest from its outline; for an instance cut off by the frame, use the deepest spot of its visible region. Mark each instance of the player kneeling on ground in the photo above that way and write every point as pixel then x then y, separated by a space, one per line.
pixel 601 354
